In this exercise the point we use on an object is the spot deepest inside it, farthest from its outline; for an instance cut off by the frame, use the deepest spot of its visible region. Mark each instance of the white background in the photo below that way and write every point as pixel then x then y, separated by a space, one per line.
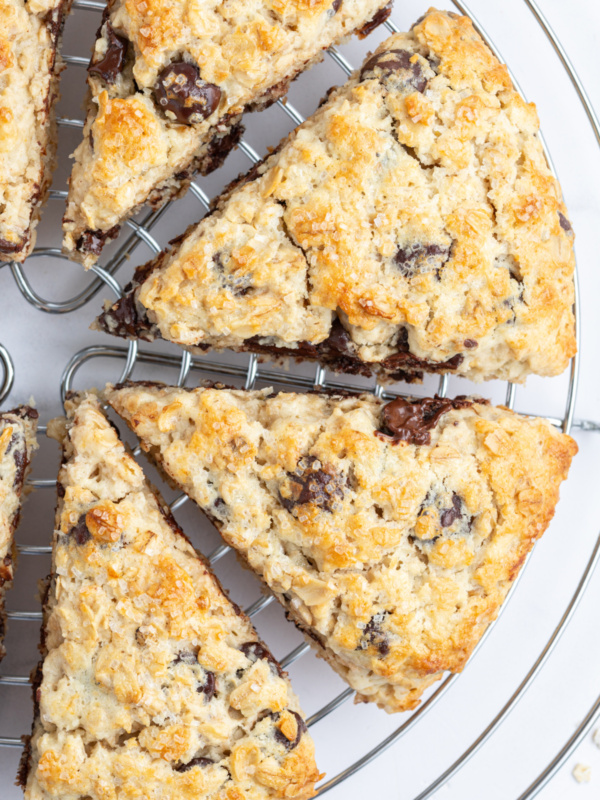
pixel 41 345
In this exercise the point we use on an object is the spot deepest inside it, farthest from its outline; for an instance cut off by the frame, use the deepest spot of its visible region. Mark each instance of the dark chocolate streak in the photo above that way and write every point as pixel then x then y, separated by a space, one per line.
pixel 378 19
pixel 411 421
pixel 9 248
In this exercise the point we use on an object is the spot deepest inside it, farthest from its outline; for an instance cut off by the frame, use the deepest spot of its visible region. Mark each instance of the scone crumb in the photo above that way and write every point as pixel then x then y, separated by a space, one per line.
pixel 596 737
pixel 582 773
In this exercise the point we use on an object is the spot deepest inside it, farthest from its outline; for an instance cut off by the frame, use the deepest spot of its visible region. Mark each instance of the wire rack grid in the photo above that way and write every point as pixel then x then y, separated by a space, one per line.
pixel 252 372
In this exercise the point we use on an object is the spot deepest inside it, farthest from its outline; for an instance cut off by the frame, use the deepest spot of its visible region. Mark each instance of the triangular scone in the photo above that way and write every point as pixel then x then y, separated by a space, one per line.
pixel 153 683
pixel 168 84
pixel 411 225
pixel 29 70
pixel 17 443
pixel 390 533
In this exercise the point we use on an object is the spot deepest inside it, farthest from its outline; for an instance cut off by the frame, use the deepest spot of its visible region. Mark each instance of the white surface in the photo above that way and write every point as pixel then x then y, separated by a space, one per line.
pixel 42 344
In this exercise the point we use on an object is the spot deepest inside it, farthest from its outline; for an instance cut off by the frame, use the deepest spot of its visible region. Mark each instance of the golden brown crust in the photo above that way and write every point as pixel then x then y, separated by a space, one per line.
pixel 247 51
pixel 412 224
pixel 392 557
pixel 17 444
pixel 29 69
pixel 153 682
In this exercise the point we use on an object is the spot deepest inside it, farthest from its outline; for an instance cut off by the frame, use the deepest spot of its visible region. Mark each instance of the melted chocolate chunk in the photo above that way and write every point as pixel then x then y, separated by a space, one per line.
pixel 80 532
pixel 111 64
pixel 94 241
pixel 564 223
pixel 8 248
pixel 320 486
pixel 199 761
pixel 339 340
pixel 399 64
pixel 379 18
pixel 411 421
pixel 419 258
pixel 448 516
pixel 255 651
pixel 375 636
pixel 470 343
pixel 282 738
pixel 180 90
pixel 209 686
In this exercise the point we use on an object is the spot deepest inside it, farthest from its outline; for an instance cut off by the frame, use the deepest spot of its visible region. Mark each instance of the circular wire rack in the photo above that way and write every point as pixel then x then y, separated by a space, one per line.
pixel 253 371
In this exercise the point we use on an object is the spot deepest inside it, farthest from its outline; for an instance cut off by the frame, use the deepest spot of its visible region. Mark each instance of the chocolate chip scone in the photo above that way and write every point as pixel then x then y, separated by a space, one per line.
pixel 390 533
pixel 17 443
pixel 168 84
pixel 153 683
pixel 412 224
pixel 29 69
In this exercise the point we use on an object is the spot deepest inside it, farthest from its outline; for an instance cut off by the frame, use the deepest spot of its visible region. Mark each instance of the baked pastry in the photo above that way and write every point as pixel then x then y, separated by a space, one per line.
pixel 168 85
pixel 390 533
pixel 17 443
pixel 153 683
pixel 29 69
pixel 412 224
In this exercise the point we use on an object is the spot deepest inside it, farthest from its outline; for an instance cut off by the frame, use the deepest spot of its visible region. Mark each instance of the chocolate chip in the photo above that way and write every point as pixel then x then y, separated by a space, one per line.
pixel 93 241
pixel 470 343
pixel 199 761
pixel 375 636
pixel 209 686
pixel 188 657
pixel 80 531
pixel 379 18
pixel 397 63
pixel 255 651
pixel 336 5
pixel 449 515
pixel 238 285
pixel 564 223
pixel 421 258
pixel 318 485
pixel 112 62
pixel 282 738
pixel 60 490
pixel 181 91
pixel 411 421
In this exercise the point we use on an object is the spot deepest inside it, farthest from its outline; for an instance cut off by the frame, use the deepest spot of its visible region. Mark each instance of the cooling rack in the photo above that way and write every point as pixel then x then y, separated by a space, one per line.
pixel 249 372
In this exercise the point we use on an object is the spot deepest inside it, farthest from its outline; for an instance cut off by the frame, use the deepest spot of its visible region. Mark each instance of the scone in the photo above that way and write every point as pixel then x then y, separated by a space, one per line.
pixel 411 225
pixel 390 533
pixel 168 84
pixel 17 443
pixel 153 683
pixel 29 69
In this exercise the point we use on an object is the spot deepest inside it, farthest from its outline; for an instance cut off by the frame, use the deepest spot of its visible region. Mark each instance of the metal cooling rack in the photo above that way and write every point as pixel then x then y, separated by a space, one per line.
pixel 253 372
